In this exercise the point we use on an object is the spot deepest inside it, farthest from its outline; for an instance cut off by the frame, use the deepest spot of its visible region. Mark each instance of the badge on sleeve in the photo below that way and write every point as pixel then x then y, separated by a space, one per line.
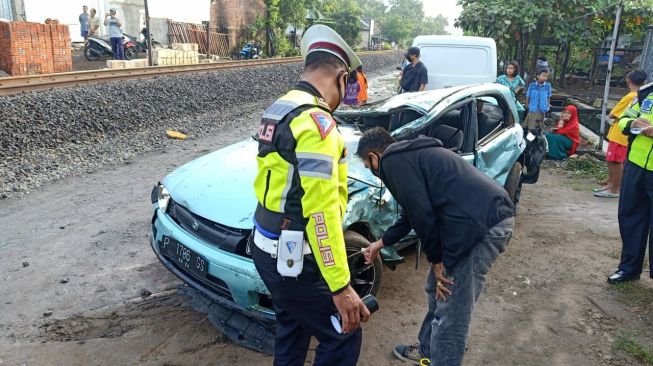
pixel 324 123
pixel 647 106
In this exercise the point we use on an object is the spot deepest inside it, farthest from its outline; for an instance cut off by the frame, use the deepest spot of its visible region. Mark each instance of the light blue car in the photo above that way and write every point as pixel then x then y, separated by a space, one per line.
pixel 203 210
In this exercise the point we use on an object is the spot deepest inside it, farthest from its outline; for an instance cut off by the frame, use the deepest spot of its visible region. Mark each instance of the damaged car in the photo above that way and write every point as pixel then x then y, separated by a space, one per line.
pixel 203 210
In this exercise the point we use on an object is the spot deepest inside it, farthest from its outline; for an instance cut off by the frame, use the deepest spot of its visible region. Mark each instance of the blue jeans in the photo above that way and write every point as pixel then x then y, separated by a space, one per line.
pixel 117 48
pixel 443 335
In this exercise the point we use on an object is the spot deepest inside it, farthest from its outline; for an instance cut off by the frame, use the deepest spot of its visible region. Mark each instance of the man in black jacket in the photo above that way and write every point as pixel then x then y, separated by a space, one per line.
pixel 463 219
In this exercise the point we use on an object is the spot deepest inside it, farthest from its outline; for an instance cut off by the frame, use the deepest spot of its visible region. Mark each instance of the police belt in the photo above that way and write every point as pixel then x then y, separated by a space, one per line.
pixel 270 245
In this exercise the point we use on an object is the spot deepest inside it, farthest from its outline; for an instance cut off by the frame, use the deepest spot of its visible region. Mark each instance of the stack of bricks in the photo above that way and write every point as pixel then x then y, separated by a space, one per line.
pixel 34 49
pixel 180 54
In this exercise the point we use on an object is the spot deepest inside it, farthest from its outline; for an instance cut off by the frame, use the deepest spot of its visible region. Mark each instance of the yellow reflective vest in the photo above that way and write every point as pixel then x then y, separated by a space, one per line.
pixel 301 182
pixel 640 151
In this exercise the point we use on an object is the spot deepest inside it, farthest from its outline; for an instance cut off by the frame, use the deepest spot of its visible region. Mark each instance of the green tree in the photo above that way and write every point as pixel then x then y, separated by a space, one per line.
pixel 519 27
pixel 433 25
pixel 374 9
pixel 403 20
pixel 345 18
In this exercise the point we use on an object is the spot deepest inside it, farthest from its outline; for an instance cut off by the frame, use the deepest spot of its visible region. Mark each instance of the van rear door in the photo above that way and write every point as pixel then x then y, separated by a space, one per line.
pixel 454 65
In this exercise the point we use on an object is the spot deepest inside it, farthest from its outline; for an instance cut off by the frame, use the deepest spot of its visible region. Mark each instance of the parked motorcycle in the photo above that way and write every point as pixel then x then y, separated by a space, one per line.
pixel 97 48
pixel 250 51
pixel 141 46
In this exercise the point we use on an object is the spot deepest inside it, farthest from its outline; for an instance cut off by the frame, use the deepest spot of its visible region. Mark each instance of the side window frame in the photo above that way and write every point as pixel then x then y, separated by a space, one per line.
pixel 506 122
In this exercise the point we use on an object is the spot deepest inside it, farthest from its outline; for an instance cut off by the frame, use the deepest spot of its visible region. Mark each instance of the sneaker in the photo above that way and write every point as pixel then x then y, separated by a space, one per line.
pixel 410 353
pixel 606 194
pixel 600 189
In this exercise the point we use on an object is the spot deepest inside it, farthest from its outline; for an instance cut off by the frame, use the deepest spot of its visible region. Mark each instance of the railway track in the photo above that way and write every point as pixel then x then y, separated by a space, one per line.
pixel 15 85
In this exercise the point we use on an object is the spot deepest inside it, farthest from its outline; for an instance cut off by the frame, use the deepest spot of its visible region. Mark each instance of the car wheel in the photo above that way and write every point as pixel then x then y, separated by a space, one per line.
pixel 513 182
pixel 365 278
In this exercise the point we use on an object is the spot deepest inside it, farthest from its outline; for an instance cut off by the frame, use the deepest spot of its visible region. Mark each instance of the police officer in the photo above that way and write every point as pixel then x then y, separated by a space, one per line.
pixel 301 187
pixel 636 196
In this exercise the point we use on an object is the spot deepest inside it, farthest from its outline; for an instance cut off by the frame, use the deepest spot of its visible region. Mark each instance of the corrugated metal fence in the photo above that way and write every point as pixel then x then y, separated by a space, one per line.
pixel 196 33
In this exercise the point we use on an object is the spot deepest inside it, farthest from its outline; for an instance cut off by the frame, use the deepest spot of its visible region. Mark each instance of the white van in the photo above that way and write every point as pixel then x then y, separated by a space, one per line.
pixel 457 60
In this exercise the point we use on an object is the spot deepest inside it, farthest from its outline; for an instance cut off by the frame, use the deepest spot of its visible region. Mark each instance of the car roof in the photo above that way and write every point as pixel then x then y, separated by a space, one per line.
pixel 426 100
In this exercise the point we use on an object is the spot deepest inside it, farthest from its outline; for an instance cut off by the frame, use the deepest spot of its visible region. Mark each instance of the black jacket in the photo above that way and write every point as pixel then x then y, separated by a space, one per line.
pixel 450 204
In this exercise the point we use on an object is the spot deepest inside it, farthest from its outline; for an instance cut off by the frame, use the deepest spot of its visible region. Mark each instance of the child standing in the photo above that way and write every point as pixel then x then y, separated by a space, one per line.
pixel 352 89
pixel 362 81
pixel 538 99
pixel 617 141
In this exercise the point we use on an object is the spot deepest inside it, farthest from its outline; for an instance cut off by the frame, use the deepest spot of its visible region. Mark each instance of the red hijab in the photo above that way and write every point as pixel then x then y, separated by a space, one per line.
pixel 571 129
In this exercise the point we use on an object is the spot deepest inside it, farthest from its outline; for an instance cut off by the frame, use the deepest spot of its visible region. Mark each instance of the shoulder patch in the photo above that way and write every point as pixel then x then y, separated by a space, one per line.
pixel 646 106
pixel 324 123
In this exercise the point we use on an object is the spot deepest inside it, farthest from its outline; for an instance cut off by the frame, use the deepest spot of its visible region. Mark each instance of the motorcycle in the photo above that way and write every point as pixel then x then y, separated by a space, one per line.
pixel 97 48
pixel 141 46
pixel 250 51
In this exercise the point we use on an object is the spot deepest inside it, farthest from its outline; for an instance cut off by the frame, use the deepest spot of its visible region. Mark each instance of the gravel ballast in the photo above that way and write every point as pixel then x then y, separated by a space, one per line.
pixel 49 135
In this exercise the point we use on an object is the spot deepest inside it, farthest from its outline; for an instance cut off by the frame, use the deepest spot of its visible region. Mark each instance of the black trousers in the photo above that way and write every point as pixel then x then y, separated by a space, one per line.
pixel 635 218
pixel 303 307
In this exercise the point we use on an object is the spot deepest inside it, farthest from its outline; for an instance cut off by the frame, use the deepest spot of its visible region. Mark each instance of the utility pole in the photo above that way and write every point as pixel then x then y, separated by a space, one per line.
pixel 606 90
pixel 149 35
pixel 208 39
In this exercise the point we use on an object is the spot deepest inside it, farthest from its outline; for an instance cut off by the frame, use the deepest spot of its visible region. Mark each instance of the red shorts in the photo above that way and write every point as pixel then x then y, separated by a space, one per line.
pixel 616 153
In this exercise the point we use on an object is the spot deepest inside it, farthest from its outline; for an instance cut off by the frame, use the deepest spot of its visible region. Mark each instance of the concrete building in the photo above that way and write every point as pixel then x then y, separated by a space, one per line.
pixel 367 32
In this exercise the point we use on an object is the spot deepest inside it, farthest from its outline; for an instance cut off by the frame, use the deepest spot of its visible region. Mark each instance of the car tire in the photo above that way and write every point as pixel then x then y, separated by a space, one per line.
pixel 366 278
pixel 513 182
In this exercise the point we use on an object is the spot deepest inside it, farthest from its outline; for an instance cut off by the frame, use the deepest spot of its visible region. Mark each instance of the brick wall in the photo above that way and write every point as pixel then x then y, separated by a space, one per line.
pixel 34 49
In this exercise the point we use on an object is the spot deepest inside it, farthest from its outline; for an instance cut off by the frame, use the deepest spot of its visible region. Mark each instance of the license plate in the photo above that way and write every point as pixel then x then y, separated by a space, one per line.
pixel 184 257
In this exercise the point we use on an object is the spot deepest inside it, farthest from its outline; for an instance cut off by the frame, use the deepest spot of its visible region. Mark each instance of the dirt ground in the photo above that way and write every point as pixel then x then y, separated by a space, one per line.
pixel 75 261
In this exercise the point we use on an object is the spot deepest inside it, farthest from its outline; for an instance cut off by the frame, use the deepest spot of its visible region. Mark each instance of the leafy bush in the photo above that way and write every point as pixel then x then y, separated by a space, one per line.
pixel 284 48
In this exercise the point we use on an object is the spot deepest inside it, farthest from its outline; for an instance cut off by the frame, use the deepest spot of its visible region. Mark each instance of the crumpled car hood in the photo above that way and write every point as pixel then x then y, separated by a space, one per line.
pixel 219 186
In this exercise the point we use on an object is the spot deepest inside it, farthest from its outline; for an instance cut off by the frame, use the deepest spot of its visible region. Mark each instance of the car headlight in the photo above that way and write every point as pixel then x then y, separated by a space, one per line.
pixel 163 198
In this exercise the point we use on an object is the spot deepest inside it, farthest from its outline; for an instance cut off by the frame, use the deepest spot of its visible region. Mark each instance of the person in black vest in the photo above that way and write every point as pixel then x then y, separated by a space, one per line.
pixel 463 220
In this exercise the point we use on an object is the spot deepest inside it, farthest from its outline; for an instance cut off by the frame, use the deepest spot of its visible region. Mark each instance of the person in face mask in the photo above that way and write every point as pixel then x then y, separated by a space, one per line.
pixel 463 220
pixel 301 187
pixel 414 75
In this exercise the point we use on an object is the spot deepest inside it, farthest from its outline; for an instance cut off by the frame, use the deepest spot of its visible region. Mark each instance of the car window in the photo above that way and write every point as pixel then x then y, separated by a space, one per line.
pixel 490 116
pixel 448 127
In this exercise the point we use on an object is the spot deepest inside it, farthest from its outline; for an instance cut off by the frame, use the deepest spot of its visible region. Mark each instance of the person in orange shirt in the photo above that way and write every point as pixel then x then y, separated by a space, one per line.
pixel 362 81
pixel 617 141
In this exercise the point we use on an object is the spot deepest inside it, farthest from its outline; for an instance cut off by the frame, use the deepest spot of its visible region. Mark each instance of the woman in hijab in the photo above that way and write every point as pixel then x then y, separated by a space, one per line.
pixel 565 137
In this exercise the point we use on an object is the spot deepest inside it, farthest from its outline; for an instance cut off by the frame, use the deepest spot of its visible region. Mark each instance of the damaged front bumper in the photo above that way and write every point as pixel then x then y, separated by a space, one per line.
pixel 232 294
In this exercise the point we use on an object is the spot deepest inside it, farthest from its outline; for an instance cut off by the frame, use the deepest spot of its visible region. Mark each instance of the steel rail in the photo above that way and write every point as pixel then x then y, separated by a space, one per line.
pixel 19 84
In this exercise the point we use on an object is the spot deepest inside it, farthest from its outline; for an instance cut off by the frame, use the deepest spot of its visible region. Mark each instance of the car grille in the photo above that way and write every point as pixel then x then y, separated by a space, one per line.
pixel 220 236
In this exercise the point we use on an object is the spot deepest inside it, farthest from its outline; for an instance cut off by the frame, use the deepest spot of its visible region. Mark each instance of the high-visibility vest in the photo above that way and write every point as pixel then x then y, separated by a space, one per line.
pixel 301 182
pixel 640 151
